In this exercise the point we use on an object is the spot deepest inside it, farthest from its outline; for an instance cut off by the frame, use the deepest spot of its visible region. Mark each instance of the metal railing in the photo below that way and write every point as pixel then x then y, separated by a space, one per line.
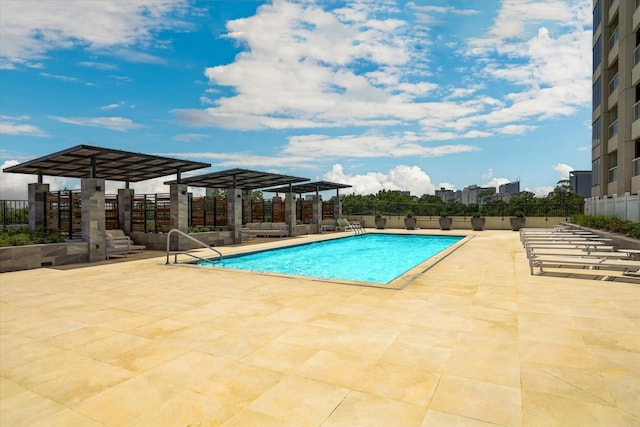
pixel 613 129
pixel 184 252
pixel 14 213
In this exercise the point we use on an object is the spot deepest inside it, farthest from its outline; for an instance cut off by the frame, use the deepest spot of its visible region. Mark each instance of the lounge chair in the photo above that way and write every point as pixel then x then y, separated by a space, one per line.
pixel 116 245
pixel 628 267
pixel 121 237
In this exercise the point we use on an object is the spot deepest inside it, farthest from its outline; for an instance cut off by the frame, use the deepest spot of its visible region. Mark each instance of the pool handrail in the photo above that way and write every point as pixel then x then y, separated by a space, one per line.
pixel 176 253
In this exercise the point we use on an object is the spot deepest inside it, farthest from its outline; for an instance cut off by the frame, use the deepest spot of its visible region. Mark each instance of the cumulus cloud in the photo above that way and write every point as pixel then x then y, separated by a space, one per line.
pixel 15 186
pixel 29 29
pixel 402 177
pixel 301 68
pixel 563 171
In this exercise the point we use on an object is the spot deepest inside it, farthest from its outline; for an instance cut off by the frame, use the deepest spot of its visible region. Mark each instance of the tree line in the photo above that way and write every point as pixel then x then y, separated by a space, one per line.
pixel 562 201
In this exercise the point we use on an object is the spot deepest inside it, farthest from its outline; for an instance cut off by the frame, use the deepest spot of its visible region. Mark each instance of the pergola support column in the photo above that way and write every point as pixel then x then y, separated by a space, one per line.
pixel 93 217
pixel 317 213
pixel 290 212
pixel 178 211
pixel 37 201
pixel 234 213
pixel 125 196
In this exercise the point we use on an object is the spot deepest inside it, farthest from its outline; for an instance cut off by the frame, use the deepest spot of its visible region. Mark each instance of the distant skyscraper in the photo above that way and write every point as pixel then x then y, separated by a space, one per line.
pixel 616 98
pixel 581 182
pixel 510 188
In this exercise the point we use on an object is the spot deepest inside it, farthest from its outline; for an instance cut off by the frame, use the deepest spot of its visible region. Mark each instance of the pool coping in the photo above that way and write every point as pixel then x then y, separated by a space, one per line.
pixel 399 283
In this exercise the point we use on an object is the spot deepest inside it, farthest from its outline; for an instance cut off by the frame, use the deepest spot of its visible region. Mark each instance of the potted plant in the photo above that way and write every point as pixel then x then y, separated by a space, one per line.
pixel 517 221
pixel 477 222
pixel 445 222
pixel 380 221
pixel 409 220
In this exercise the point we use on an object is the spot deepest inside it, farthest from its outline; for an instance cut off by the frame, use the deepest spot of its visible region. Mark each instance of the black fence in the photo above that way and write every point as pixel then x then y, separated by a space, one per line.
pixel 14 213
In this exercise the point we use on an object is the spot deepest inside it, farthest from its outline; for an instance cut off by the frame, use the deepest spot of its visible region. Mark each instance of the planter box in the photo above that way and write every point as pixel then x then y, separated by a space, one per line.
pixel 477 224
pixel 410 223
pixel 517 223
pixel 445 223
pixel 14 258
pixel 381 223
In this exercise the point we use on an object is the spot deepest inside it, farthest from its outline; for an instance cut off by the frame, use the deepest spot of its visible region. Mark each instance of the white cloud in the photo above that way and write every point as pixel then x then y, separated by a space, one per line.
pixel 563 170
pixel 15 186
pixel 401 177
pixel 31 28
pixel 12 126
pixel 190 137
pixel 114 123
pixel 369 146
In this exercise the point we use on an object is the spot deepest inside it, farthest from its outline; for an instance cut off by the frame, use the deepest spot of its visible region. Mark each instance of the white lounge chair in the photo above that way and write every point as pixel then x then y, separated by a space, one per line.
pixel 120 238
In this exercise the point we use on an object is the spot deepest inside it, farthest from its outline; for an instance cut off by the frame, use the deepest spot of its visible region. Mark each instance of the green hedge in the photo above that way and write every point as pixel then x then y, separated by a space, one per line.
pixel 24 236
pixel 608 223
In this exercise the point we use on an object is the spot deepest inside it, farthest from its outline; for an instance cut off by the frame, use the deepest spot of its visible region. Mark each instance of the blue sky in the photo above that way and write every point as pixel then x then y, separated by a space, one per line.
pixel 407 95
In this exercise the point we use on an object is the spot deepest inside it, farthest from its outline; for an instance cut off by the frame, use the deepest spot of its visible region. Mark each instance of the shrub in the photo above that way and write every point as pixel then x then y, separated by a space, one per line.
pixel 608 223
pixel 24 236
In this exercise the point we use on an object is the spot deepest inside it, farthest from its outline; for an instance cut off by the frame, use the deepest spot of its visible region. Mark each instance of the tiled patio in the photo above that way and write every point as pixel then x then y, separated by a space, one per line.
pixel 475 341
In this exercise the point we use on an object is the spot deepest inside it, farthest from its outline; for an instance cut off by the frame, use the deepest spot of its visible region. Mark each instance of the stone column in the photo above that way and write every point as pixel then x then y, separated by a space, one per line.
pixel 337 207
pixel 125 196
pixel 37 203
pixel 234 213
pixel 290 212
pixel 317 212
pixel 93 217
pixel 246 208
pixel 178 212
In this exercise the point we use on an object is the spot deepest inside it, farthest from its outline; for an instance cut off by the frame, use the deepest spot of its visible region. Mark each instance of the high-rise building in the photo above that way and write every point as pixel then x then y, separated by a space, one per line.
pixel 510 188
pixel 580 182
pixel 616 98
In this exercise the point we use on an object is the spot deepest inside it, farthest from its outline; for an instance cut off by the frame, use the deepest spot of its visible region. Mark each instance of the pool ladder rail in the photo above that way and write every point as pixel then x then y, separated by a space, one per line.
pixel 176 253
pixel 357 228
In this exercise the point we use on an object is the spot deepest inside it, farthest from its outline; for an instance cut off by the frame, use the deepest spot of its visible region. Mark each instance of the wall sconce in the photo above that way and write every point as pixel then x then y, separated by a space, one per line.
pixel 98 188
pixel 183 192
pixel 239 196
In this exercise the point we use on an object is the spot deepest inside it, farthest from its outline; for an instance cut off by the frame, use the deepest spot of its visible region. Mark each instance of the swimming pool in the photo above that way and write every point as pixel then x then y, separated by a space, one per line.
pixel 374 258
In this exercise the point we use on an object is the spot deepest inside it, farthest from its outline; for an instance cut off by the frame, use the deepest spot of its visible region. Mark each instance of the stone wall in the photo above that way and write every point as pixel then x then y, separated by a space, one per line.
pixel 14 258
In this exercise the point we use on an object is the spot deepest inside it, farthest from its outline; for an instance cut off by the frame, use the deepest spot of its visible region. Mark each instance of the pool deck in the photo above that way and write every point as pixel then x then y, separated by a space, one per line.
pixel 475 341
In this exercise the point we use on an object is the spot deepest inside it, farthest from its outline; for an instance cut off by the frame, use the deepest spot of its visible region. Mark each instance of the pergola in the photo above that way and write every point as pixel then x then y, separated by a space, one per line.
pixel 85 161
pixel 310 187
pixel 93 165
pixel 237 180
pixel 243 179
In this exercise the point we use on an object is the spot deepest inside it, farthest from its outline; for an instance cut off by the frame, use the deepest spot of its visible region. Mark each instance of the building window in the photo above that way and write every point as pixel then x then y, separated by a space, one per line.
pixel 596 131
pixel 612 173
pixel 597 53
pixel 614 38
pixel 613 127
pixel 636 160
pixel 597 16
pixel 596 96
pixel 595 172
pixel 613 83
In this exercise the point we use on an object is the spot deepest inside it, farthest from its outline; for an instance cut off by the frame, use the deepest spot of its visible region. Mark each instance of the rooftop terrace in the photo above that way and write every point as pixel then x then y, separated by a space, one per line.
pixel 475 341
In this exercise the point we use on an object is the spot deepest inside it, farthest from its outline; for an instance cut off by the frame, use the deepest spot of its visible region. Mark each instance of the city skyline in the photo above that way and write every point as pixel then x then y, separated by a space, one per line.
pixel 379 95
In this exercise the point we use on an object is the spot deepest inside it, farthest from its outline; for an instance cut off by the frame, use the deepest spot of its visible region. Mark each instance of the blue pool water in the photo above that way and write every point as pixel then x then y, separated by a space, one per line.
pixel 378 258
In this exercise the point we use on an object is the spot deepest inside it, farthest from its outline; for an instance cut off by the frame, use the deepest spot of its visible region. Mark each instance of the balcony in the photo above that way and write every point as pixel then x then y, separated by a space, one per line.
pixel 612 101
pixel 636 166
pixel 636 16
pixel 613 129
pixel 613 47
pixel 635 72
pixel 612 174
pixel 635 125
pixel 613 10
